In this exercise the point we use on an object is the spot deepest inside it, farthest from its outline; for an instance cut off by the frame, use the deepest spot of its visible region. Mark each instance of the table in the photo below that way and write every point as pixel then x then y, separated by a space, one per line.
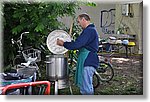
pixel 117 47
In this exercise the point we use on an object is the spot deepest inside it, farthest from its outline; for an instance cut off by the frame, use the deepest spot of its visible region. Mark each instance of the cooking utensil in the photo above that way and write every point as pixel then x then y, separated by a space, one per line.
pixel 57 69
pixel 52 41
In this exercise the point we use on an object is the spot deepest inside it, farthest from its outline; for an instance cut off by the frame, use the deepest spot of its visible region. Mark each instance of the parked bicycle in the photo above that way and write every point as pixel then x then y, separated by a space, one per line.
pixel 103 73
pixel 26 58
pixel 18 58
pixel 21 79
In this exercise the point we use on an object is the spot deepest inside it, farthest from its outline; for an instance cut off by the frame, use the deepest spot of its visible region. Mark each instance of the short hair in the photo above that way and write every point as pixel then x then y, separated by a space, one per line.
pixel 85 16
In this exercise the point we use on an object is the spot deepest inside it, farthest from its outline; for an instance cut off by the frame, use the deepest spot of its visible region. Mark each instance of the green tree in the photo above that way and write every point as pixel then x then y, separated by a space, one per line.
pixel 37 18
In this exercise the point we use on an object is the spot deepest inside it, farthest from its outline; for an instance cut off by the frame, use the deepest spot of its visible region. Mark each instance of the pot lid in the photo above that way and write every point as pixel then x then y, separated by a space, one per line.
pixel 52 41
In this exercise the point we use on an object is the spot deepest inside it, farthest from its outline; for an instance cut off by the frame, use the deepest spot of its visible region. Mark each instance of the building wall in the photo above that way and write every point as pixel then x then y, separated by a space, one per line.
pixel 112 19
pixel 95 14
pixel 101 20
pixel 133 24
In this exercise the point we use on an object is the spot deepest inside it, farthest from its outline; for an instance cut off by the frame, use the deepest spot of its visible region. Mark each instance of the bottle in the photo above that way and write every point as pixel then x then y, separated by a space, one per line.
pixel 118 32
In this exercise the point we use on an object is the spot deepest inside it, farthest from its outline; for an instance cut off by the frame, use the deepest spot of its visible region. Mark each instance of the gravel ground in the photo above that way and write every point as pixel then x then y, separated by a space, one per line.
pixel 127 80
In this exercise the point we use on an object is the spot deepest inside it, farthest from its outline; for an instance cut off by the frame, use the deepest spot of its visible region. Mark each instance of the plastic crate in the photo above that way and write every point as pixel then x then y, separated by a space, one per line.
pixel 4 83
pixel 43 88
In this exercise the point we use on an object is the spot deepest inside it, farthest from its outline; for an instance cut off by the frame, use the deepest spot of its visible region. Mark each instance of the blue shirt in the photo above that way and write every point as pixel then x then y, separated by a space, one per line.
pixel 89 40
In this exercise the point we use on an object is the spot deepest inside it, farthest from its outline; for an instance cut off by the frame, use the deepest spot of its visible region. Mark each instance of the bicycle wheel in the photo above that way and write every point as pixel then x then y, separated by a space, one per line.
pixel 96 80
pixel 105 71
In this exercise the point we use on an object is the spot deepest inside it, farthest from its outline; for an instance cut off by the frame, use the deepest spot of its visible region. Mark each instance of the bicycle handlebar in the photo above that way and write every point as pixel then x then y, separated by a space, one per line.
pixel 20 38
pixel 23 34
pixel 18 42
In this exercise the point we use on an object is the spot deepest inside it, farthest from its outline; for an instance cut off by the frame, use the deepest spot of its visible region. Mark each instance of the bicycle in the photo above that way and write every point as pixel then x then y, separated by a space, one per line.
pixel 26 58
pixel 25 71
pixel 18 58
pixel 104 73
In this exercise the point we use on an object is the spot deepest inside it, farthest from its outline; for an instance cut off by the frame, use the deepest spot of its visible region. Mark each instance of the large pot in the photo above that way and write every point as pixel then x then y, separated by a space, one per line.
pixel 56 67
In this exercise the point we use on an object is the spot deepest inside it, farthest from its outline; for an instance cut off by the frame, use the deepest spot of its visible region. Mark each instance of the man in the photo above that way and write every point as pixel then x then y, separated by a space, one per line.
pixel 87 44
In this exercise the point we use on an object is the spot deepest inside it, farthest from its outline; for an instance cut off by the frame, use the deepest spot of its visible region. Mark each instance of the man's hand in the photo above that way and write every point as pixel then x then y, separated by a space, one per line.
pixel 60 42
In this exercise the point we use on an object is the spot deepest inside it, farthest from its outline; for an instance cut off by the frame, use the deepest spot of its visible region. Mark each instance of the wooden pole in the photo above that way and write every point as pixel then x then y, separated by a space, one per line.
pixel 71 26
pixel 70 33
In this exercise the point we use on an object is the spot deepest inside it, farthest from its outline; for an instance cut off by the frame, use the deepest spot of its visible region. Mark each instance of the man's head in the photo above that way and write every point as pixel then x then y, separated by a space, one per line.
pixel 83 20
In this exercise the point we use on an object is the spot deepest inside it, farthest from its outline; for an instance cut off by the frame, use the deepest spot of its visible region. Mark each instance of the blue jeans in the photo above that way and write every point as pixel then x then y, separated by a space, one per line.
pixel 87 79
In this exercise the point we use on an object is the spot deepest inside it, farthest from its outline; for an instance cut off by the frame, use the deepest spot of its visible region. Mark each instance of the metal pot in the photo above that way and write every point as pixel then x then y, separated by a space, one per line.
pixel 56 67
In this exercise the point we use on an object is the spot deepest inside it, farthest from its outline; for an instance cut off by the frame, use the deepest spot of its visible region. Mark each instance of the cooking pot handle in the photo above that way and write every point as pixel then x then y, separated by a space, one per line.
pixel 49 62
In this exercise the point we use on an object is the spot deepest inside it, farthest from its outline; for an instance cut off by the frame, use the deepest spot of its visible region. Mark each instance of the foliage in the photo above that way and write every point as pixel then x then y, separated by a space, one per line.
pixel 37 18
pixel 91 4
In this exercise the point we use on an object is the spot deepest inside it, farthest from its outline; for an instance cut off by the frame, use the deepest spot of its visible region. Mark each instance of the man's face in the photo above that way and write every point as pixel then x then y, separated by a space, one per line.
pixel 80 22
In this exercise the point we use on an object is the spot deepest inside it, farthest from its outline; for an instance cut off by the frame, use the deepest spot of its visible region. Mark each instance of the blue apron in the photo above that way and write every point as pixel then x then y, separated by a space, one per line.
pixel 83 53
